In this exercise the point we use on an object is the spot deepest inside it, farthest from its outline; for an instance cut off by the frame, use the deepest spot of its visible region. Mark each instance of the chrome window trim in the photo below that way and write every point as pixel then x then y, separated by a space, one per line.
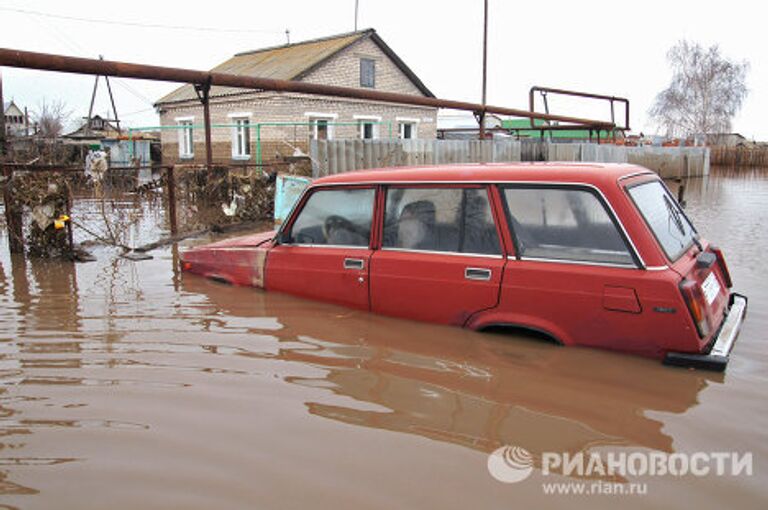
pixel 577 262
pixel 605 201
pixel 435 252
pixel 635 174
pixel 309 189
pixel 632 246
pixel 628 191
pixel 438 252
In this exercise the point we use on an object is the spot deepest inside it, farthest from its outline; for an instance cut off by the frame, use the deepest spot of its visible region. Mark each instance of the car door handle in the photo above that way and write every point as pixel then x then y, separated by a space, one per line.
pixel 354 264
pixel 477 273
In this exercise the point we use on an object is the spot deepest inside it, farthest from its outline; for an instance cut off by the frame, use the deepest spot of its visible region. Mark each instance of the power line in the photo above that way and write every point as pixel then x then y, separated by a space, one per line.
pixel 133 91
pixel 129 114
pixel 141 25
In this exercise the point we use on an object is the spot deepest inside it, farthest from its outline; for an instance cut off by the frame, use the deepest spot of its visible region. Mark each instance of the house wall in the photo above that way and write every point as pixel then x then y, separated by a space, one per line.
pixel 284 108
pixel 343 70
pixel 270 107
pixel 14 121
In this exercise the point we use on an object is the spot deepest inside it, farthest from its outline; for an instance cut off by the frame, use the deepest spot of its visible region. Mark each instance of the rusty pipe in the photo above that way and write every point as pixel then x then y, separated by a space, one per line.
pixel 79 65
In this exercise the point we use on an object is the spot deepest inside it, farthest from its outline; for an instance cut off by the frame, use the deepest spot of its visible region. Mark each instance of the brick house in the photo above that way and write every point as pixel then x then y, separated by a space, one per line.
pixel 257 126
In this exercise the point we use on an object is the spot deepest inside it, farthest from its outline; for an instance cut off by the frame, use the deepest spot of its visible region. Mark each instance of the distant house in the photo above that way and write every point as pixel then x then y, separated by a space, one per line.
pixel 260 125
pixel 123 149
pixel 16 122
pixel 94 130
pixel 726 140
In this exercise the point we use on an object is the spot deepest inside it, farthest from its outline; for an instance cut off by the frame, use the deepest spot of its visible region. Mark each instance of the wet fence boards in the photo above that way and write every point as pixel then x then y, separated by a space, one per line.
pixel 331 157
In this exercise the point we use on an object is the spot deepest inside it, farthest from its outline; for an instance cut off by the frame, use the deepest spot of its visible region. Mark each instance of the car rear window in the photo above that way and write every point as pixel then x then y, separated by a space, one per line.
pixel 569 224
pixel 663 215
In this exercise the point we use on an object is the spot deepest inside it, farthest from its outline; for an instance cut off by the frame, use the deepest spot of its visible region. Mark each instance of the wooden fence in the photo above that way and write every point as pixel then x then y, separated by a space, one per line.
pixel 740 156
pixel 338 156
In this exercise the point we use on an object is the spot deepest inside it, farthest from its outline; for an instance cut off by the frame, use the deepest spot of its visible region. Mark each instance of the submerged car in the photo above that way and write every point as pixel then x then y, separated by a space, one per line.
pixel 598 255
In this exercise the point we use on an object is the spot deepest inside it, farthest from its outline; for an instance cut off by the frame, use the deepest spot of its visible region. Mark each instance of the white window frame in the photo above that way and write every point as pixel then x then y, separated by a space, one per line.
pixel 367 119
pixel 414 122
pixel 186 137
pixel 241 148
pixel 313 117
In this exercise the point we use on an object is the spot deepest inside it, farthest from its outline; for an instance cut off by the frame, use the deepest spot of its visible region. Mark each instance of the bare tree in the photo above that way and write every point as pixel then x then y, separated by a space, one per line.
pixel 706 91
pixel 51 118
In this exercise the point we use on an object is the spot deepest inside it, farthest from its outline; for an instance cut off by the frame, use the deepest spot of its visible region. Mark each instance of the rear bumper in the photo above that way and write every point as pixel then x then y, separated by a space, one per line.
pixel 717 357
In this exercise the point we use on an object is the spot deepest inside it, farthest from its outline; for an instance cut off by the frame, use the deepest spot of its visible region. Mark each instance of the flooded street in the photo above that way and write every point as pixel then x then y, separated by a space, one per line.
pixel 125 384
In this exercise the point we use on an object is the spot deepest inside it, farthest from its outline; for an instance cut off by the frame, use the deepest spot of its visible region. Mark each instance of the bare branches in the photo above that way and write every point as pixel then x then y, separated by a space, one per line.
pixel 706 91
pixel 51 118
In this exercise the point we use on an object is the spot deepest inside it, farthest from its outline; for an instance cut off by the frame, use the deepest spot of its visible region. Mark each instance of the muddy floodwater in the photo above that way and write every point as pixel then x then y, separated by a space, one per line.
pixel 129 385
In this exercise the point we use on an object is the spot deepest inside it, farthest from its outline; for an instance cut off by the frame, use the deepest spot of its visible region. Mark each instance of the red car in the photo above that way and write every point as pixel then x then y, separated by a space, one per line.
pixel 586 254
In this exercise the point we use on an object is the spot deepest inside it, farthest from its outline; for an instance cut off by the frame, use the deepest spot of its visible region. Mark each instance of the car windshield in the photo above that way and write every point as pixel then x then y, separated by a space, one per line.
pixel 663 215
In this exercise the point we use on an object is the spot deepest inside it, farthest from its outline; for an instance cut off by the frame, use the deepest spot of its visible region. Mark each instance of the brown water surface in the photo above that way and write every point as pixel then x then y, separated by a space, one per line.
pixel 125 384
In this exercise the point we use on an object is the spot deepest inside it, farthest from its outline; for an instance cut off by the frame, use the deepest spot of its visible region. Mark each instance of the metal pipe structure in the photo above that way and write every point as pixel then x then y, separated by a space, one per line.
pixel 485 69
pixel 203 93
pixel 12 213
pixel 78 65
pixel 170 184
pixel 586 95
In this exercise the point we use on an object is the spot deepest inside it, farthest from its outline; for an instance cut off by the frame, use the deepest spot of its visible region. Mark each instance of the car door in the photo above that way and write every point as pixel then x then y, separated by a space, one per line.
pixel 440 258
pixel 575 274
pixel 324 250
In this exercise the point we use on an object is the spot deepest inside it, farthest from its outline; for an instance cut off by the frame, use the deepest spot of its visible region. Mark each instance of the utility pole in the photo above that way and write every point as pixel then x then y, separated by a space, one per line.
pixel 485 69
pixel 93 100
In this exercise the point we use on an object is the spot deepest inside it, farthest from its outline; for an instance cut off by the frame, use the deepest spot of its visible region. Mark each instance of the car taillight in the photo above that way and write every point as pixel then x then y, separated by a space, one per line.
pixel 694 298
pixel 723 266
pixel 186 266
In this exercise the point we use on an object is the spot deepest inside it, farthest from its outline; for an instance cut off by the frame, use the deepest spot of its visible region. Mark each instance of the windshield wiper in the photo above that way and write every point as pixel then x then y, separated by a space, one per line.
pixel 674 214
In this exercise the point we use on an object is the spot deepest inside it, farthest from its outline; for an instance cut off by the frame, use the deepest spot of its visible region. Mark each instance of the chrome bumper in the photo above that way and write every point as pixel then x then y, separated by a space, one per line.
pixel 717 357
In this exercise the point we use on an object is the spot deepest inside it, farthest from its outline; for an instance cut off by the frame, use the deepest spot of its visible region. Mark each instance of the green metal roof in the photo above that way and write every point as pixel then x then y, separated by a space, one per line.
pixel 523 128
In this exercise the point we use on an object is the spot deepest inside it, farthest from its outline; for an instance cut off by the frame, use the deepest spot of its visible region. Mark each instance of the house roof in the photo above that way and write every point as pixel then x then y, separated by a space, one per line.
pixel 81 132
pixel 290 62
pixel 7 105
pixel 522 127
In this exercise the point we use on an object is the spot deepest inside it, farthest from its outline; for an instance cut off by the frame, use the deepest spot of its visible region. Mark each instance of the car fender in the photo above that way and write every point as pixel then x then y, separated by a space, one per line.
pixel 490 318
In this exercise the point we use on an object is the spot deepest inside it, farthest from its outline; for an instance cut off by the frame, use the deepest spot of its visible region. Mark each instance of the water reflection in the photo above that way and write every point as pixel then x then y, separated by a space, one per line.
pixel 480 391
pixel 131 377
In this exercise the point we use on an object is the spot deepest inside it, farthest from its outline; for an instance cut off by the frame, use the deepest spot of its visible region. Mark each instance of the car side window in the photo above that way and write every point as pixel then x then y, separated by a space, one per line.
pixel 440 219
pixel 337 217
pixel 564 224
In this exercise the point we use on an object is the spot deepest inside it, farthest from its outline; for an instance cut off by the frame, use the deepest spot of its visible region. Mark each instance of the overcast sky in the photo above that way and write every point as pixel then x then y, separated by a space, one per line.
pixel 616 48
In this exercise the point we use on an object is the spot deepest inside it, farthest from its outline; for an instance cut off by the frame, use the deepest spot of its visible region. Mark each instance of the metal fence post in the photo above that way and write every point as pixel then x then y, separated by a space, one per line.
pixel 12 215
pixel 170 185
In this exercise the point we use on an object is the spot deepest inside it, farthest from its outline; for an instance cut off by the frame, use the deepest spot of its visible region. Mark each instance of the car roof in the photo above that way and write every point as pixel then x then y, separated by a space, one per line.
pixel 585 173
